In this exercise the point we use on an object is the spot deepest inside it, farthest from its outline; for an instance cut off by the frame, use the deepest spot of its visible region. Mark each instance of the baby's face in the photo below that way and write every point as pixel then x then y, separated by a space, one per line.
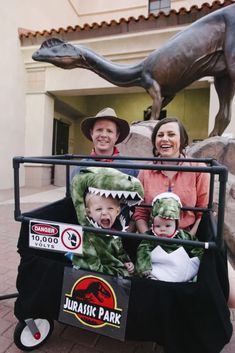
pixel 103 210
pixel 163 227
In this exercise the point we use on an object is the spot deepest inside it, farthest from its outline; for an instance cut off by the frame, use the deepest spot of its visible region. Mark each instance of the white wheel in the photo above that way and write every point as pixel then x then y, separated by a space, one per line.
pixel 26 341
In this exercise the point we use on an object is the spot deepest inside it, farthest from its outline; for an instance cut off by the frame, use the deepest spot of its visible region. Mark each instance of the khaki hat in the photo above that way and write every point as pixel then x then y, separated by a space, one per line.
pixel 106 113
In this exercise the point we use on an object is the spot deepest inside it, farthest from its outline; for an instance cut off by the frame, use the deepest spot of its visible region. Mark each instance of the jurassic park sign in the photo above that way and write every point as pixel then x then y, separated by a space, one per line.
pixel 96 302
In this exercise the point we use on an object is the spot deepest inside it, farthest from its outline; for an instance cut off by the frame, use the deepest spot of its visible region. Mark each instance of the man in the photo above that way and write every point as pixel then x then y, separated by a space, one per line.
pixel 106 130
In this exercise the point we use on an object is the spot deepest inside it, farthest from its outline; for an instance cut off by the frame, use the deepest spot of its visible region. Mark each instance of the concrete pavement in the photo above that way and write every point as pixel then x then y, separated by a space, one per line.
pixel 64 338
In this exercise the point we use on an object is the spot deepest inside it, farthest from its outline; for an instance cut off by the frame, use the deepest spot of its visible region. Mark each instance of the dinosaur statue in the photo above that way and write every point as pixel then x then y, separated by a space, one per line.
pixel 205 48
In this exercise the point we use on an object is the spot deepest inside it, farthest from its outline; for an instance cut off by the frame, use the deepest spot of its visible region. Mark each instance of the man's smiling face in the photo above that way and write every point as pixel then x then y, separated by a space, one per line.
pixel 104 136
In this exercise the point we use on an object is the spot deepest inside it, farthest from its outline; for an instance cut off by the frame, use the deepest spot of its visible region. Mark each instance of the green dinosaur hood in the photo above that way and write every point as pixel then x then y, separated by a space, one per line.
pixel 166 205
pixel 104 182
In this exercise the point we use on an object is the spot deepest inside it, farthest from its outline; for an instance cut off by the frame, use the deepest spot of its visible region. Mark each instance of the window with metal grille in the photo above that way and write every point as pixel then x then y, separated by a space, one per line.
pixel 159 5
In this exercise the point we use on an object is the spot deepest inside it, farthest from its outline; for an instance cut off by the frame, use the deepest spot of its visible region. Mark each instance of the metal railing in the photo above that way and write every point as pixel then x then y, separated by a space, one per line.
pixel 211 166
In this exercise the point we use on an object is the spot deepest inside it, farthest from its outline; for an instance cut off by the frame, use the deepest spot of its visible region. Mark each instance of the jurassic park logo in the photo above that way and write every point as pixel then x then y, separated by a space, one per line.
pixel 93 301
pixel 96 302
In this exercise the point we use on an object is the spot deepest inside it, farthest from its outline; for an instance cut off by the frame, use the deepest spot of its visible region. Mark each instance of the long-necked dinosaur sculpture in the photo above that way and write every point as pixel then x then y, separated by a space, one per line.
pixel 205 48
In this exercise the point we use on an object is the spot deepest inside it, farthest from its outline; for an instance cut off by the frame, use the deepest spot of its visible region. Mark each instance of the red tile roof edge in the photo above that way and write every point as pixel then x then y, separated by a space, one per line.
pixel 26 33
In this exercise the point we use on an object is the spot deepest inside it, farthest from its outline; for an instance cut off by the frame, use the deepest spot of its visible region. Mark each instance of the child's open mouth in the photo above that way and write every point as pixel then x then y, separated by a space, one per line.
pixel 105 223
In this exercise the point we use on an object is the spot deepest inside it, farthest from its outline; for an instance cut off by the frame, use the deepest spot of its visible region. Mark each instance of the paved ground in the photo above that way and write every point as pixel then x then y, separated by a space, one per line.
pixel 64 339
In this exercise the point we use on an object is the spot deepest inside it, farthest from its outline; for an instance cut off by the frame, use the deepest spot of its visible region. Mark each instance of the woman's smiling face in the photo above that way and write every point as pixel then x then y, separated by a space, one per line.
pixel 167 140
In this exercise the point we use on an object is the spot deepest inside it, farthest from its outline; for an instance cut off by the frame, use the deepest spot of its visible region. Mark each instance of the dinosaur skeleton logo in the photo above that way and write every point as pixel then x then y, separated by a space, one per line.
pixel 93 301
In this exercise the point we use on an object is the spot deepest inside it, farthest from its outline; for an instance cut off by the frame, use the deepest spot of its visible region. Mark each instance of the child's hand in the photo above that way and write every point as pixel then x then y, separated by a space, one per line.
pixel 130 267
pixel 146 273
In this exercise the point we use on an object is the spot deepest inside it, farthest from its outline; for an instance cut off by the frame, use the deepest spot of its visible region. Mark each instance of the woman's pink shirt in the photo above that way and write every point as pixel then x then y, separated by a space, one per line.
pixel 191 187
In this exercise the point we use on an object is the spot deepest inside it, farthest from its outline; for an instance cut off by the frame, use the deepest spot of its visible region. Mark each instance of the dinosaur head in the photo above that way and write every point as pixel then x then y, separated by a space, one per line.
pixel 60 53
pixel 104 182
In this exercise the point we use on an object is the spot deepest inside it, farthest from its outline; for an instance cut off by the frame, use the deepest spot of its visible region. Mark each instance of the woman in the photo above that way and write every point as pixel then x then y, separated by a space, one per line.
pixel 169 139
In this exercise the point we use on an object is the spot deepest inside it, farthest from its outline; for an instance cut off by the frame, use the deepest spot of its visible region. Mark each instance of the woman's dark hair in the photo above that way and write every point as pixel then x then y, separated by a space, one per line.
pixel 183 133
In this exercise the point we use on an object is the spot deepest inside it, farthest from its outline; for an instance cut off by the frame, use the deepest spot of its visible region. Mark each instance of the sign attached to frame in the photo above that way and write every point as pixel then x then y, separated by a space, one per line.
pixel 59 237
pixel 95 302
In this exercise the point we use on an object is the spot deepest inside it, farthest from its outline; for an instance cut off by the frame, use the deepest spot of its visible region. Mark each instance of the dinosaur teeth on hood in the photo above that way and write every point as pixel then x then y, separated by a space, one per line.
pixel 119 194
pixel 96 191
pixel 132 198
pixel 113 193
pixel 92 190
pixel 107 193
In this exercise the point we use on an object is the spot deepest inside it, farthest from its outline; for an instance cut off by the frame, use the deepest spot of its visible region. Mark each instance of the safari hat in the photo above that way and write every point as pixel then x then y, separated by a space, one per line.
pixel 166 205
pixel 106 113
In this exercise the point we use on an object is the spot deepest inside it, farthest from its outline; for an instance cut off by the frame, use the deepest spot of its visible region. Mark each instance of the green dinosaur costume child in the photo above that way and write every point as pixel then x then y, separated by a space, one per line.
pixel 169 262
pixel 104 253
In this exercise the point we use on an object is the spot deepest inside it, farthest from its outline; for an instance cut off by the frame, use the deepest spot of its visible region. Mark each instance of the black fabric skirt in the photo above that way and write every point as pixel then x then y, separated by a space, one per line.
pixel 183 317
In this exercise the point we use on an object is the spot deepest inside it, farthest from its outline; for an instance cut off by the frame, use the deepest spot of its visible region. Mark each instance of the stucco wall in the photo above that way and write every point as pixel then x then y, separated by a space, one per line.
pixel 12 98
pixel 106 10
pixel 47 14
pixel 44 14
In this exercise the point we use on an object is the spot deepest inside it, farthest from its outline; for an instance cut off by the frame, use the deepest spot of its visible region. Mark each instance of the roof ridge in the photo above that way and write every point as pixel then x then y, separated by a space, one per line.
pixel 26 33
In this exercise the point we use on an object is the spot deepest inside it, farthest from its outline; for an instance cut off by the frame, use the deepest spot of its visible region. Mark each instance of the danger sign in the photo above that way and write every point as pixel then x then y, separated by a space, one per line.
pixel 60 237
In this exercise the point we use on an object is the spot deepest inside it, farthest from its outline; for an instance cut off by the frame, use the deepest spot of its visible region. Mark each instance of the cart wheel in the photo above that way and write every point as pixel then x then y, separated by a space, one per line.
pixel 26 341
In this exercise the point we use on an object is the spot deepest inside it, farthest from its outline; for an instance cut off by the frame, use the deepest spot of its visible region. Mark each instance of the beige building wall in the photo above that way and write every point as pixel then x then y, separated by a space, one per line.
pixel 39 15
pixel 12 97
pixel 47 14
pixel 27 110
pixel 106 10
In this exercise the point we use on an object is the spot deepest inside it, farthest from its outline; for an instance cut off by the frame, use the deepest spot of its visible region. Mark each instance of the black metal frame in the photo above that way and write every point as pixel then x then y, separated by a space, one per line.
pixel 213 167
